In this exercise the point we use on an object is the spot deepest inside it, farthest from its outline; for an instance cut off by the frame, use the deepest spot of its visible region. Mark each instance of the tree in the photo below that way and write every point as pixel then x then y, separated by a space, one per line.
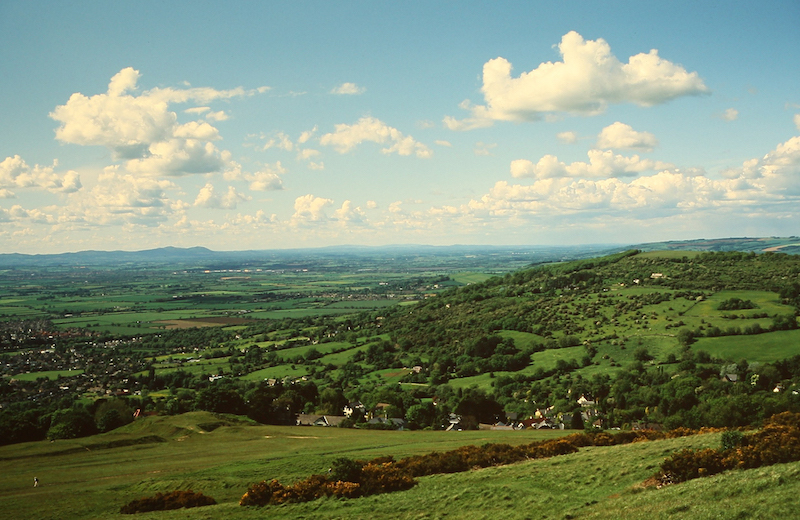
pixel 331 401
pixel 217 398
pixel 476 403
pixel 111 414
pixel 576 423
pixel 71 423
pixel 421 415
pixel 685 337
pixel 346 470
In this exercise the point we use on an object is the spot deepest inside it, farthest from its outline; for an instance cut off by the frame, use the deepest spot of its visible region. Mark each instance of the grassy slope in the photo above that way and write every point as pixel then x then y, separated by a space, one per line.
pixel 82 480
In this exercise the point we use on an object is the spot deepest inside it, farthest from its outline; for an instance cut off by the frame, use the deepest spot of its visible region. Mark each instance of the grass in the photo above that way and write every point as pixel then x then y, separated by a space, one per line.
pixel 220 456
pixel 764 348
pixel 49 374
pixel 276 372
pixel 470 278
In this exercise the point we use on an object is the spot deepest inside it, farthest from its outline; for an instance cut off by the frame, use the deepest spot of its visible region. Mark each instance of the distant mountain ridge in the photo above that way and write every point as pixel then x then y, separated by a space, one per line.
pixel 199 254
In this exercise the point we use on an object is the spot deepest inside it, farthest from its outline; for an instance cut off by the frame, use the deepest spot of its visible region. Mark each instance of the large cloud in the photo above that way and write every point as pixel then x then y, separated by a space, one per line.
pixel 347 137
pixel 601 164
pixel 588 79
pixel 142 127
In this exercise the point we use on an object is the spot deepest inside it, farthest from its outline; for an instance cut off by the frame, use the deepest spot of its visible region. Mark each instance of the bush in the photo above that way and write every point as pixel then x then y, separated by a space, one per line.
pixel 384 478
pixel 346 470
pixel 777 442
pixel 731 439
pixel 162 502
pixel 262 493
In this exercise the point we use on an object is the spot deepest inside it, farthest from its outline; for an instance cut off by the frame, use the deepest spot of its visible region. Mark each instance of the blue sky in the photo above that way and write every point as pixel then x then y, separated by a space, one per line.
pixel 260 125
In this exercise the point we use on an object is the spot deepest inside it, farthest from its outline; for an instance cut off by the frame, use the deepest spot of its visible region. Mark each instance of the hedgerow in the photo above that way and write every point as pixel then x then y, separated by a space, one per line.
pixel 352 478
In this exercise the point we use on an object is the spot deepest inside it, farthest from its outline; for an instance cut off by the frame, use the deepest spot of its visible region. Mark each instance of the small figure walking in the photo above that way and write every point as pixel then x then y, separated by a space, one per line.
pixel 35 482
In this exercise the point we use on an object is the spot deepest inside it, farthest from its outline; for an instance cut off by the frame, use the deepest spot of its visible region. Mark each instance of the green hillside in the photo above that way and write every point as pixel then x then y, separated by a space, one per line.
pixel 220 456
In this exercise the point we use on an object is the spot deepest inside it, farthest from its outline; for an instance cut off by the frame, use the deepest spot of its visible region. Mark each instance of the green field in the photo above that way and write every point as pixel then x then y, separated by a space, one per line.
pixel 759 347
pixel 277 372
pixel 90 479
pixel 49 374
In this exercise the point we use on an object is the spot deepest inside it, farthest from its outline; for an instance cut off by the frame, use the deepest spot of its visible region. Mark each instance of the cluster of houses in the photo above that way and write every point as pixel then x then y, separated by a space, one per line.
pixel 547 419
pixel 376 416
pixel 542 419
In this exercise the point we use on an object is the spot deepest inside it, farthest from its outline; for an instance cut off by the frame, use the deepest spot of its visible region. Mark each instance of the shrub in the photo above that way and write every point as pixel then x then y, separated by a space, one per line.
pixel 777 442
pixel 346 470
pixel 261 494
pixel 731 439
pixel 162 502
pixel 689 464
pixel 384 478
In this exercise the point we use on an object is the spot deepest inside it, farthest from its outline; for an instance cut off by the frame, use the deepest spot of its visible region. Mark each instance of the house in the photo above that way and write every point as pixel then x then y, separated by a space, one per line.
pixel 538 423
pixel 354 406
pixel 330 420
pixel 379 410
pixel 309 419
pixel 397 424
pixel 454 423
pixel 585 402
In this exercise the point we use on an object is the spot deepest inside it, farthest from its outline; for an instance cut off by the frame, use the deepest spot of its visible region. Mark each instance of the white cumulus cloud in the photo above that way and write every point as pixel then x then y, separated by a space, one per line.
pixel 207 198
pixel 268 178
pixel 585 82
pixel 178 157
pixel 348 89
pixel 120 199
pixel 142 127
pixel 622 136
pixel 16 173
pixel 349 213
pixel 310 208
pixel 346 137
pixel 601 164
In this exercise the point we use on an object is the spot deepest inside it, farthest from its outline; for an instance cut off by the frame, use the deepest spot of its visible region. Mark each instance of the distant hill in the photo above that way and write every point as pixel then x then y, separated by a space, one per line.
pixel 201 256
pixel 789 245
